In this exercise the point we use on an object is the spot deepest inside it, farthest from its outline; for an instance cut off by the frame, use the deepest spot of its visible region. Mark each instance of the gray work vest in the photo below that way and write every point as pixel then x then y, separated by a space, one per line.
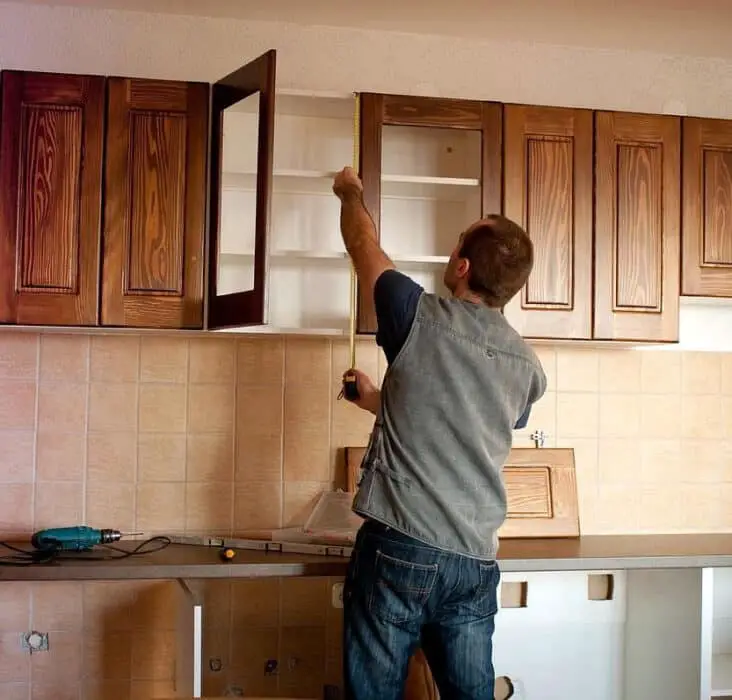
pixel 449 404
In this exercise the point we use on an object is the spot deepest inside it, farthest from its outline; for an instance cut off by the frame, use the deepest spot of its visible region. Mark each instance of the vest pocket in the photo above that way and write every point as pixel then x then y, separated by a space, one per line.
pixel 400 589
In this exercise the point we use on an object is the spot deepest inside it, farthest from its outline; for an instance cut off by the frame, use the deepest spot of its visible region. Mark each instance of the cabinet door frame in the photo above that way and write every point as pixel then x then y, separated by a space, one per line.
pixel 569 318
pixel 246 308
pixel 656 320
pixel 77 304
pixel 379 110
pixel 699 276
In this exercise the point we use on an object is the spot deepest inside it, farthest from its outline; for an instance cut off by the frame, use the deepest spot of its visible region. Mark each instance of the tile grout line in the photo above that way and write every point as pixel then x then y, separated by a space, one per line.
pixel 34 499
pixel 87 418
pixel 283 431
pixel 136 466
pixel 187 399
pixel 329 467
pixel 234 439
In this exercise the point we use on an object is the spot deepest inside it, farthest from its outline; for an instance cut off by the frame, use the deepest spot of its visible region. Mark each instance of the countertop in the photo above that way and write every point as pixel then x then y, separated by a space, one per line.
pixel 590 553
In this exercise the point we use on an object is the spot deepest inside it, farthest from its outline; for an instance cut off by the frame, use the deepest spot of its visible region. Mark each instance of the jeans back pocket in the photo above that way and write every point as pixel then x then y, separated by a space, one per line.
pixel 400 589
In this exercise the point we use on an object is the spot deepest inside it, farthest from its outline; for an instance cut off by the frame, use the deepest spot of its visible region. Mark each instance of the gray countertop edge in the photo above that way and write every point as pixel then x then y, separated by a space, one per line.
pixel 588 553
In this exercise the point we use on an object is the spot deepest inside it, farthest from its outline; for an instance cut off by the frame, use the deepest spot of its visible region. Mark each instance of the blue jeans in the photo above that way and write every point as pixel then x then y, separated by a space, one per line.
pixel 401 594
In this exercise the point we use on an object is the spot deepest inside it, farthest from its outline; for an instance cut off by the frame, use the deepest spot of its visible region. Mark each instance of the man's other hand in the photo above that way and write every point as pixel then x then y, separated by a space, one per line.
pixel 369 395
pixel 347 184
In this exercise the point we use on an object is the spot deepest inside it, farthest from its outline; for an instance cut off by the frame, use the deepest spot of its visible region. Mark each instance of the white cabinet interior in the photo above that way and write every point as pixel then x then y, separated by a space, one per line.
pixel 430 192
pixel 720 629
pixel 640 644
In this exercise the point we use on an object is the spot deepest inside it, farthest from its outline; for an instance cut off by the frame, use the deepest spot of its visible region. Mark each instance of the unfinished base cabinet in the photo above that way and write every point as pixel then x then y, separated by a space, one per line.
pixel 707 233
pixel 717 634
pixel 605 635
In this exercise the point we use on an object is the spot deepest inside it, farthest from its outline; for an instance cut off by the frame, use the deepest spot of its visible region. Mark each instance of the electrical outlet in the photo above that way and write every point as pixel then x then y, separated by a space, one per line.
pixel 337 595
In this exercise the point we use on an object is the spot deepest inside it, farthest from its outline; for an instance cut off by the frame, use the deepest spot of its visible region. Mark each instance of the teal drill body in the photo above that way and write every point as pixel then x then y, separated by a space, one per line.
pixel 79 538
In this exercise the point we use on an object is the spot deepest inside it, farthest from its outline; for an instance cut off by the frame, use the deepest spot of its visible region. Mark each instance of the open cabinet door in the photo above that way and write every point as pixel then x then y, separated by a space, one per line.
pixel 242 138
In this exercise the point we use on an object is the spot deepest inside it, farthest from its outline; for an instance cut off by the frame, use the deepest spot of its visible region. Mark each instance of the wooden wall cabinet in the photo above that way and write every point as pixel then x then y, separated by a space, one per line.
pixel 430 167
pixel 127 249
pixel 607 256
pixel 707 224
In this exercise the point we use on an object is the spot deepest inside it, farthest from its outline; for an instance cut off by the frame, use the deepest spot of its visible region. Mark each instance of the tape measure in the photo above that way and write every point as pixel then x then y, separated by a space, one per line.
pixel 350 385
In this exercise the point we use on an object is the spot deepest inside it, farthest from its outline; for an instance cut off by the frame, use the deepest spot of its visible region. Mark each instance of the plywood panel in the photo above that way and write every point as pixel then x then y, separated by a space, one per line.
pixel 540 486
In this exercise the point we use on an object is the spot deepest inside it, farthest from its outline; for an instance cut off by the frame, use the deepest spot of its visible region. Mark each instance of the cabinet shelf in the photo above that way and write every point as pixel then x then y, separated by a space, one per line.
pixel 319 182
pixel 337 256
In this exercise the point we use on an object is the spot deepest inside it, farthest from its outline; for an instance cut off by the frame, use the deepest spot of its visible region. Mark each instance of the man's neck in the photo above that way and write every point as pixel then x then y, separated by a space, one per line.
pixel 467 295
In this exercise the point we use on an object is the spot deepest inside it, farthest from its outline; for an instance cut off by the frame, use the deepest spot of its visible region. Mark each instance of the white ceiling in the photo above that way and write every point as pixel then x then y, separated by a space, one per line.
pixel 688 27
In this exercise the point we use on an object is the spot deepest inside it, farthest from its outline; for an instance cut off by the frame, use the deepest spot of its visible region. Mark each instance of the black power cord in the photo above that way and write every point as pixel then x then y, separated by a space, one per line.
pixel 30 557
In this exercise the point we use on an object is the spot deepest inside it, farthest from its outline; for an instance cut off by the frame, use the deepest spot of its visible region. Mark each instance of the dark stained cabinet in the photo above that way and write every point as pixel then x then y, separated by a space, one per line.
pixel 51 143
pixel 548 173
pixel 452 151
pixel 155 204
pixel 637 226
pixel 245 305
pixel 707 223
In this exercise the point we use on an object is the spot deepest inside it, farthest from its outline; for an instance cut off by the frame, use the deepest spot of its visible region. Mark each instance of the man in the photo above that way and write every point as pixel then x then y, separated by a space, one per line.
pixel 459 380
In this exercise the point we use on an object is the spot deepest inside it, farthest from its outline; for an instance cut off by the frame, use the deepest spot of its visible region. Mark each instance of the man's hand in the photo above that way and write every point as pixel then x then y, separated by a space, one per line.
pixel 369 396
pixel 347 184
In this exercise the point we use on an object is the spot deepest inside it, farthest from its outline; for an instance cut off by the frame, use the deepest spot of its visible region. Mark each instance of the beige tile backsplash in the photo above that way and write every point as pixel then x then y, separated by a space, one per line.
pixel 229 435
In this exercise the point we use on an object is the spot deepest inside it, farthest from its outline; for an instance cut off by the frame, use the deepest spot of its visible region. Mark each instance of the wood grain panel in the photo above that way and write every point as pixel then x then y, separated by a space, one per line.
pixel 50 197
pixel 529 491
pixel 406 110
pixel 541 490
pixel 707 221
pixel 155 204
pixel 548 191
pixel 50 179
pixel 637 227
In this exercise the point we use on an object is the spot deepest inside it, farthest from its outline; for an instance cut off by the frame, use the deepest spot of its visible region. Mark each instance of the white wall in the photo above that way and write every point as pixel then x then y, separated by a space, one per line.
pixel 146 45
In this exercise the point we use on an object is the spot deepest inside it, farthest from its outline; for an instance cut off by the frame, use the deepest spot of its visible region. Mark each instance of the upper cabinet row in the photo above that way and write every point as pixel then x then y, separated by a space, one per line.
pixel 104 194
pixel 108 188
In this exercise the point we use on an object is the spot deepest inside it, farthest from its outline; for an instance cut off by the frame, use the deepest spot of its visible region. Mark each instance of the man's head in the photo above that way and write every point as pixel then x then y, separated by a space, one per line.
pixel 492 260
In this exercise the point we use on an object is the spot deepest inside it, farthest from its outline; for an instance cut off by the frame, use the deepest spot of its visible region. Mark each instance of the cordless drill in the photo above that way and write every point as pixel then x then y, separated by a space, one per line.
pixel 73 539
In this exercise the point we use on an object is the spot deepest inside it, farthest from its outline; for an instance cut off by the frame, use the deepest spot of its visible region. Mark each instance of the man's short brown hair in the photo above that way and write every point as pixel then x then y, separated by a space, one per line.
pixel 501 256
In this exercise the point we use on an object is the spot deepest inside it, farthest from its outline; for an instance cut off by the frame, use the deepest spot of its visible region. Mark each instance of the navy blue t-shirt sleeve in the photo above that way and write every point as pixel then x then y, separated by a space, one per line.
pixel 523 421
pixel 396 297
